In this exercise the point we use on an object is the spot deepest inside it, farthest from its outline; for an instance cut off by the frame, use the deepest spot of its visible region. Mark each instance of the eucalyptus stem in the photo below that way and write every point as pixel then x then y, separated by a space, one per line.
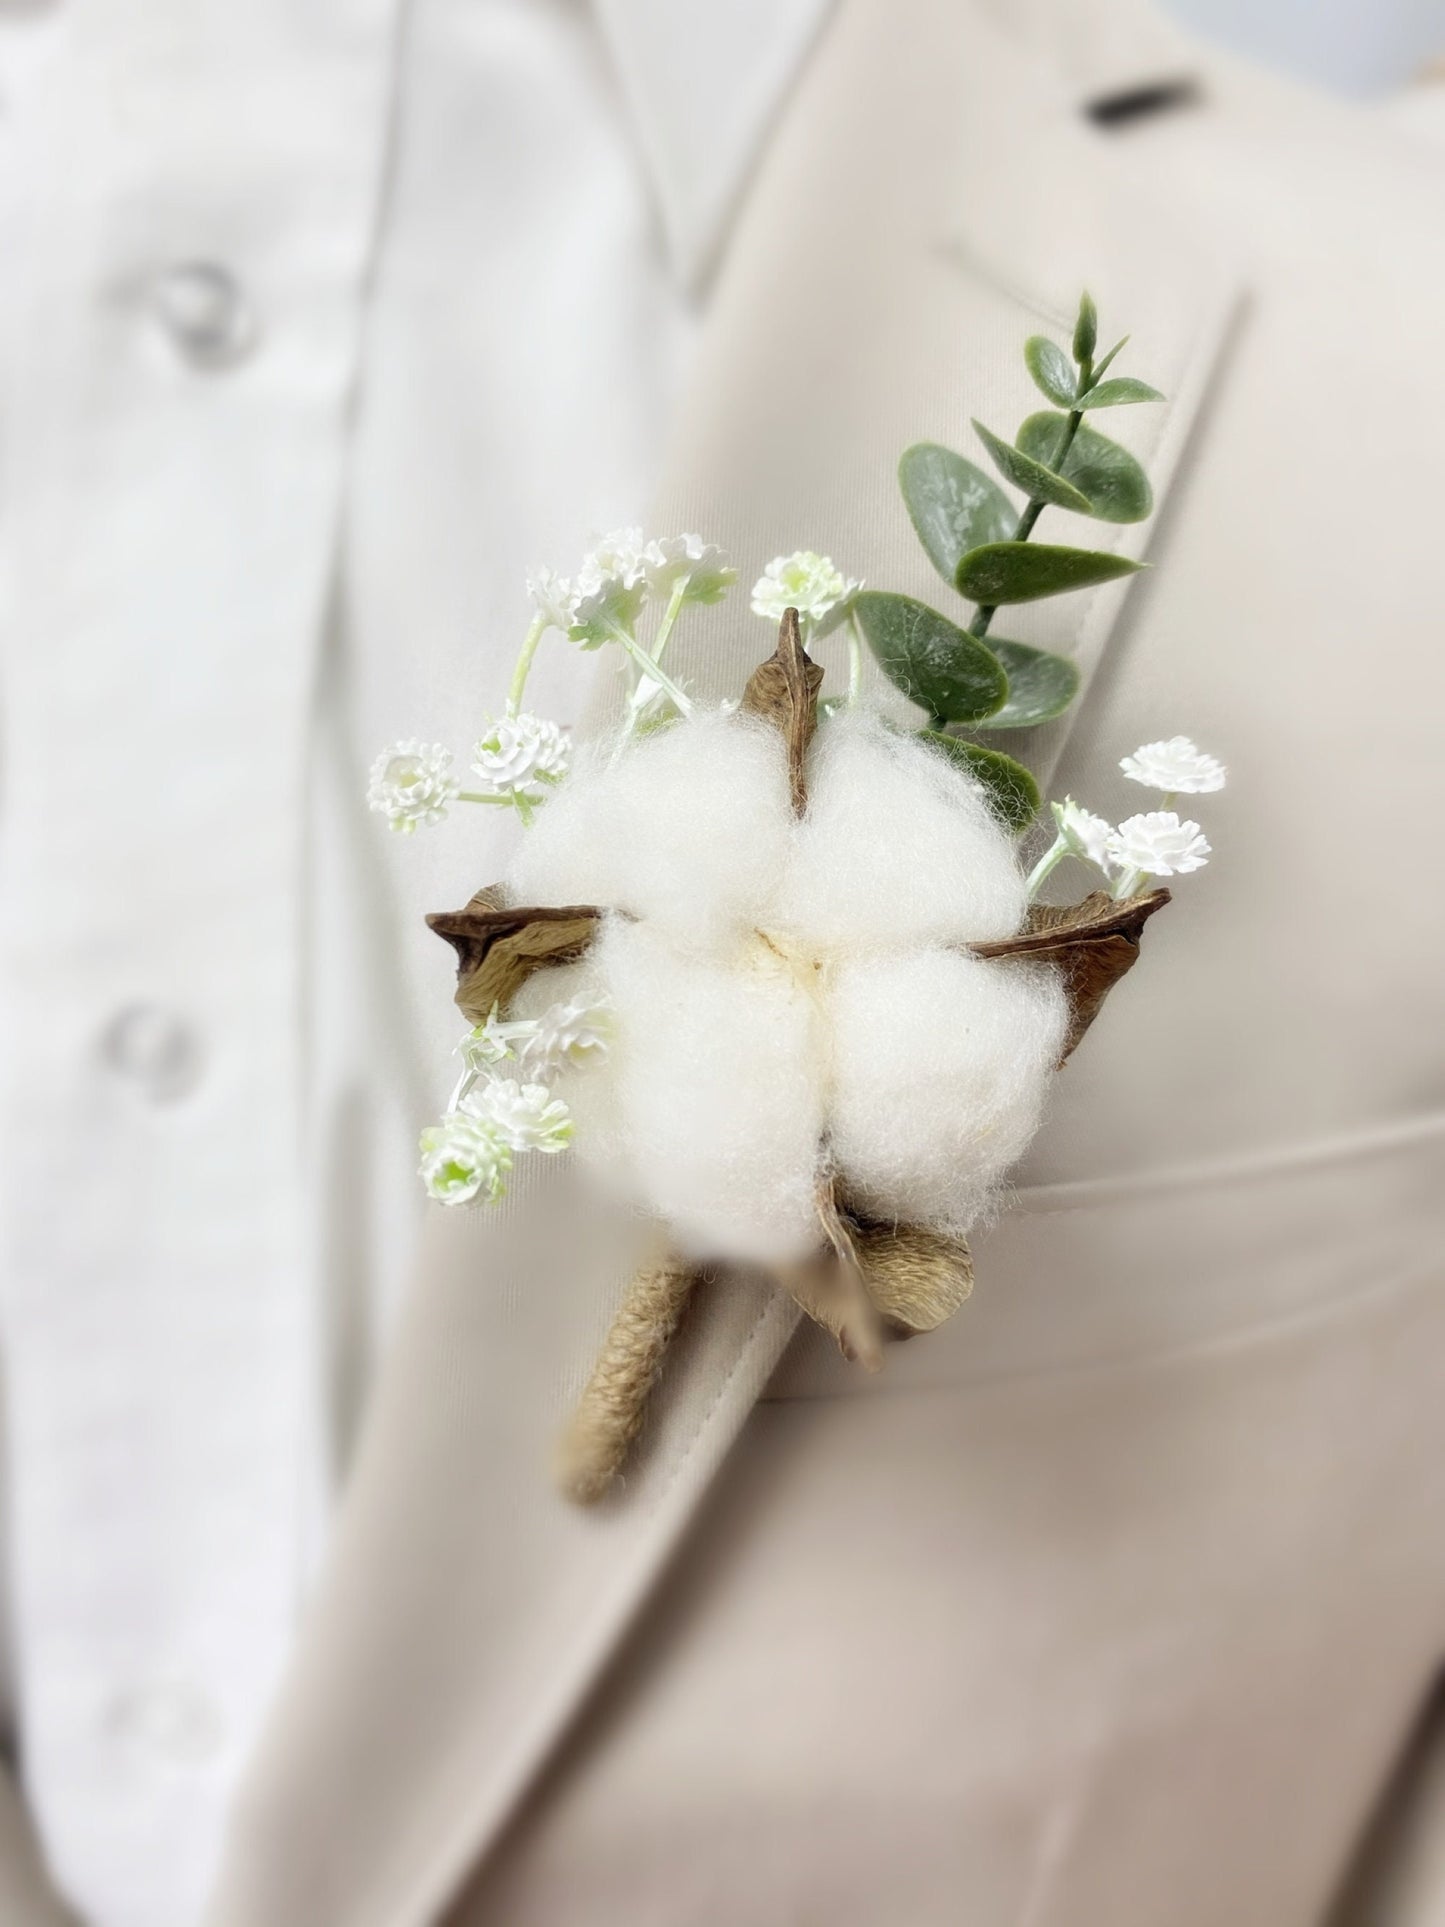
pixel 985 613
pixel 518 684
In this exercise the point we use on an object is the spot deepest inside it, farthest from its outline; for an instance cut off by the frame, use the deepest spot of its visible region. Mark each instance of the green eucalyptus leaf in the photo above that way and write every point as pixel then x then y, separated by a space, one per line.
pixel 1114 393
pixel 1025 571
pixel 1041 685
pixel 1117 487
pixel 1108 360
pixel 953 505
pixel 1051 369
pixel 934 662
pixel 1012 793
pixel 1086 328
pixel 1038 482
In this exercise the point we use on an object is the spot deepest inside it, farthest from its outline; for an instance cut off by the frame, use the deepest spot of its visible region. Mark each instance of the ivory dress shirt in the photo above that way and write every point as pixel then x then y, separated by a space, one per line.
pixel 319 326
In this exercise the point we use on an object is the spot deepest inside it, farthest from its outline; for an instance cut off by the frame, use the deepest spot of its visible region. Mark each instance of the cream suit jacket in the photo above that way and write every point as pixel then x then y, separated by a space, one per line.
pixel 1113 1604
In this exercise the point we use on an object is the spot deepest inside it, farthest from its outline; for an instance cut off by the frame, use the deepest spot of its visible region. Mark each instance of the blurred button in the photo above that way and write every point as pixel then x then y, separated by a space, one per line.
pixel 171 1719
pixel 153 1049
pixel 205 313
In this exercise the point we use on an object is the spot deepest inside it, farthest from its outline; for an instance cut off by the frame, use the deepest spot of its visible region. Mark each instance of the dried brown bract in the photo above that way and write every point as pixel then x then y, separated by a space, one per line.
pixel 1092 943
pixel 784 691
pixel 498 948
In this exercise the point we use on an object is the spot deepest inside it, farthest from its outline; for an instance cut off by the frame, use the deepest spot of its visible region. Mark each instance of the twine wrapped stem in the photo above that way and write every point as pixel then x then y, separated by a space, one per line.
pixel 610 1411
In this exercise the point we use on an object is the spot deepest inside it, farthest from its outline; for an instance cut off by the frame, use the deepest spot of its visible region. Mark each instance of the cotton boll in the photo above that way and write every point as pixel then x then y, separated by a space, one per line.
pixel 688 827
pixel 941 1063
pixel 718 1072
pixel 897 849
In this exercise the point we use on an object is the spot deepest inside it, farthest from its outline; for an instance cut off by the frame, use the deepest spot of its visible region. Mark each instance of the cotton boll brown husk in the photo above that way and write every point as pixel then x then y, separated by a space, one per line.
pixel 717 1067
pixel 688 828
pixel 897 849
pixel 941 1064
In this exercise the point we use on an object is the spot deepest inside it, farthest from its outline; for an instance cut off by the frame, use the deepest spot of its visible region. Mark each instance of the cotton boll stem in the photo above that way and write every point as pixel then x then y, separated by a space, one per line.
pixel 610 1411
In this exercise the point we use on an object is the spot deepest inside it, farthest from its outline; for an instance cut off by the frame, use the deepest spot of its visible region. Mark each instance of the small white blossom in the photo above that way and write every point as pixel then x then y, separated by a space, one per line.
pixel 808 583
pixel 604 604
pixel 463 1157
pixel 521 756
pixel 574 1033
pixel 1085 834
pixel 553 597
pixel 621 557
pixel 1157 844
pixel 412 784
pixel 708 571
pixel 1175 766
pixel 527 1116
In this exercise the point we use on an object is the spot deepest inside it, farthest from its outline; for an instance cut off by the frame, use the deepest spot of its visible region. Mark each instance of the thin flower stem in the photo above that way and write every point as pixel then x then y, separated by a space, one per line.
pixel 479 796
pixel 535 633
pixel 463 1085
pixel 1046 865
pixel 855 661
pixel 1126 884
pixel 669 616
pixel 641 694
pixel 648 667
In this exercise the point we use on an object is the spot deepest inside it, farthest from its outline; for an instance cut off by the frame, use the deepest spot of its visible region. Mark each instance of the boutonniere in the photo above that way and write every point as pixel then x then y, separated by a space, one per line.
pixel 775 970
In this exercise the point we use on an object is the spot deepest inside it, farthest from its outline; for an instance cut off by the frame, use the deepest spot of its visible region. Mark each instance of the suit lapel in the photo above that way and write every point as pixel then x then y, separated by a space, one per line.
pixel 907 228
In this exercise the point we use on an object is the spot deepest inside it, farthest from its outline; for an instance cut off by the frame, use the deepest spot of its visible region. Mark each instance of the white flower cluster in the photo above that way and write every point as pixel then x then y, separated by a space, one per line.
pixel 519 758
pixel 616 576
pixel 516 762
pixel 412 784
pixel 1155 843
pixel 809 583
pixel 492 1119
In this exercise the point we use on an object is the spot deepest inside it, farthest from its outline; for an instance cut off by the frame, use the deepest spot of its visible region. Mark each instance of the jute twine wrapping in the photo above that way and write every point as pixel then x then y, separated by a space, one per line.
pixel 610 1411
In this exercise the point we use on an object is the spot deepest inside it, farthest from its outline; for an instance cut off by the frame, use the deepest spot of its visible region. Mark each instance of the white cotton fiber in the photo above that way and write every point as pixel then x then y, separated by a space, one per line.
pixel 941 1063
pixel 717 1068
pixel 688 827
pixel 897 849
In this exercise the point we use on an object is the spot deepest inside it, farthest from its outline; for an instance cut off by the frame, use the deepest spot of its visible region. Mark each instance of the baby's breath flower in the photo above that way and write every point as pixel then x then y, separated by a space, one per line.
pixel 808 583
pixel 553 597
pixel 573 1033
pixel 464 1157
pixel 411 784
pixel 621 556
pixel 1157 844
pixel 1085 834
pixel 527 1116
pixel 1175 766
pixel 521 757
pixel 708 571
pixel 604 604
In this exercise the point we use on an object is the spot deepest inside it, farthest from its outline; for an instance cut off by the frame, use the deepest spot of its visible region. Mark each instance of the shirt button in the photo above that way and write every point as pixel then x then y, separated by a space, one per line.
pixel 154 1050
pixel 205 313
pixel 169 1719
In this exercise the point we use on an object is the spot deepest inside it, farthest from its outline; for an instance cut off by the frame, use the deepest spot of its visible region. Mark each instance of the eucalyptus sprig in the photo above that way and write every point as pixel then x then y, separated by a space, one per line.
pixel 980 543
